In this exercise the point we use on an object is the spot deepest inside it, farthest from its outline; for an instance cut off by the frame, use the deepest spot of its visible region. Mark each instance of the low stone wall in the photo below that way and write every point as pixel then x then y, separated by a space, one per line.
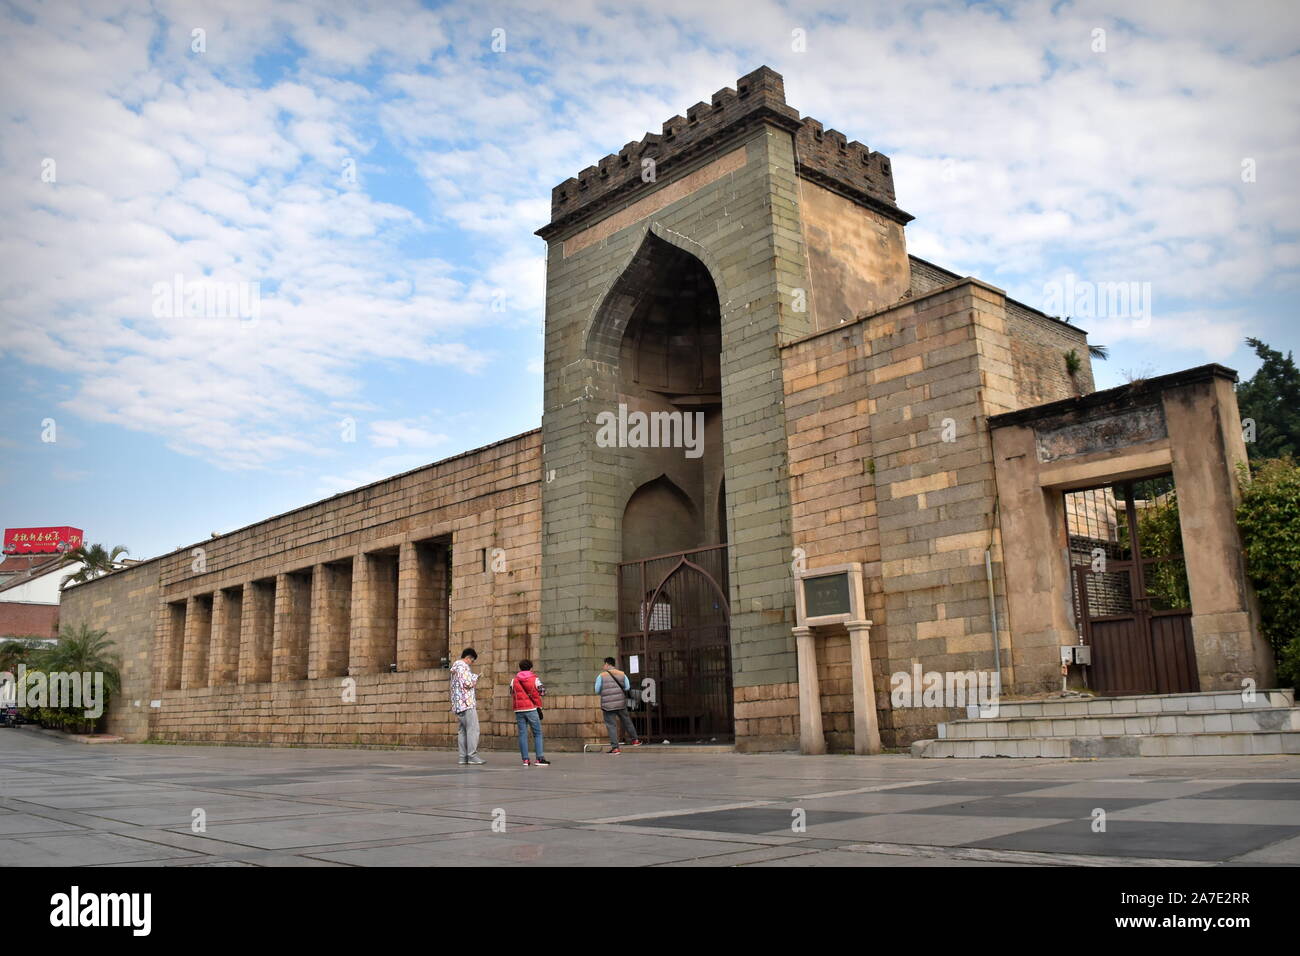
pixel 389 710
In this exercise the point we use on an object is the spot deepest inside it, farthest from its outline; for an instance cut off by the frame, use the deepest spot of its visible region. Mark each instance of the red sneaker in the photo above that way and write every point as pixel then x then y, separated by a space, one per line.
pixel 636 743
pixel 527 763
pixel 614 750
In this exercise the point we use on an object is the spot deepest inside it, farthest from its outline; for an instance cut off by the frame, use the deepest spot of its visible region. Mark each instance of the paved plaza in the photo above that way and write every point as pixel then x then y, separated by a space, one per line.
pixel 63 803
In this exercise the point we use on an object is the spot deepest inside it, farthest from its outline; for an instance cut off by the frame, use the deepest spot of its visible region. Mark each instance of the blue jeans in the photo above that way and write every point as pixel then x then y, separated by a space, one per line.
pixel 526 719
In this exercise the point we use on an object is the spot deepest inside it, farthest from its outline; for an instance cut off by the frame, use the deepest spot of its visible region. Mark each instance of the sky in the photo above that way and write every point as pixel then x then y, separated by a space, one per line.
pixel 364 179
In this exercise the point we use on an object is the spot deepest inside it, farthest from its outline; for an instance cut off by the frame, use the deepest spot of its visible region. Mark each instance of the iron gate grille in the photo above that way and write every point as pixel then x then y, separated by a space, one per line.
pixel 674 628
pixel 1130 587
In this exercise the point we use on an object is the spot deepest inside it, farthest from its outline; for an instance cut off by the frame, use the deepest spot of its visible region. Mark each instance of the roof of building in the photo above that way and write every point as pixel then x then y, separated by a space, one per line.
pixel 18 563
pixel 33 569
pixel 1140 391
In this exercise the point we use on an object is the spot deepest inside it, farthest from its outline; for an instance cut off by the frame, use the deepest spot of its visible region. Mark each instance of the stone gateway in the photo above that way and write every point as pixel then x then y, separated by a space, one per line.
pixel 748 381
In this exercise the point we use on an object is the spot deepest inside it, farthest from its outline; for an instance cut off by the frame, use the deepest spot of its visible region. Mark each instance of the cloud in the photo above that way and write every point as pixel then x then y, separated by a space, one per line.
pixel 391 434
pixel 1023 150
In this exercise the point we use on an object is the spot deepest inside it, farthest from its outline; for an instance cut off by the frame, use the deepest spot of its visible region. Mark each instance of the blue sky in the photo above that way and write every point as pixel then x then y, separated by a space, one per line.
pixel 378 170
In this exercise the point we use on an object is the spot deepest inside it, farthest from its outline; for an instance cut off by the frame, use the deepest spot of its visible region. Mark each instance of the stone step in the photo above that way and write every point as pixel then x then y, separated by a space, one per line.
pixel 1242 743
pixel 1145 704
pixel 1194 722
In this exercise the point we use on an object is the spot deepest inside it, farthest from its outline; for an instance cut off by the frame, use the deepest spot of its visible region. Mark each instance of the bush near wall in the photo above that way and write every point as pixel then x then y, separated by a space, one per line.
pixel 1269 518
pixel 80 649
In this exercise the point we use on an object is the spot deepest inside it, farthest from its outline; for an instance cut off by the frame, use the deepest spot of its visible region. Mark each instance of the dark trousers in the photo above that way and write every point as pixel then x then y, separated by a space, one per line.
pixel 612 718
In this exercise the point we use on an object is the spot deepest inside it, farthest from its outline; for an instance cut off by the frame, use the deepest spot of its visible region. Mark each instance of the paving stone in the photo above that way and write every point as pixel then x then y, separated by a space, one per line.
pixel 1033 808
pixel 1154 840
pixel 375 808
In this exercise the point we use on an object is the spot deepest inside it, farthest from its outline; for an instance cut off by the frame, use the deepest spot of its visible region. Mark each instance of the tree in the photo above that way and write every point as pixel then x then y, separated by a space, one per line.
pixel 1160 537
pixel 1271 400
pixel 84 649
pixel 1269 519
pixel 20 650
pixel 95 560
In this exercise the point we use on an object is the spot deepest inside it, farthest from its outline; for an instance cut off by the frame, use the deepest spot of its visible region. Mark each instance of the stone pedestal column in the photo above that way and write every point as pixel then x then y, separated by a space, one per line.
pixel 811 738
pixel 866 724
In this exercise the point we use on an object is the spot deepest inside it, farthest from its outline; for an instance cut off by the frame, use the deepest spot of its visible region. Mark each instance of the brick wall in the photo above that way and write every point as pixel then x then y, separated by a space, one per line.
pixel 1038 348
pixel 1039 343
pixel 28 620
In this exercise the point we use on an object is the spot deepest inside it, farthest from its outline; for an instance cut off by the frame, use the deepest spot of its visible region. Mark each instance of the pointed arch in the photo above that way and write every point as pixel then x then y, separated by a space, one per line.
pixel 659 518
pixel 659 252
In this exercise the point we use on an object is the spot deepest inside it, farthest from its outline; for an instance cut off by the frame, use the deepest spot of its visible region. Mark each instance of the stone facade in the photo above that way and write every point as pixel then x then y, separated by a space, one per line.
pixel 126 605
pixel 749 267
pixel 891 467
pixel 1185 424
pixel 254 636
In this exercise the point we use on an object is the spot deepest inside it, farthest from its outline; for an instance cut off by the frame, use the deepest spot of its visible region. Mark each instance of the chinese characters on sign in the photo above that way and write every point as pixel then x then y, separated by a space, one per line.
pixel 828 594
pixel 41 540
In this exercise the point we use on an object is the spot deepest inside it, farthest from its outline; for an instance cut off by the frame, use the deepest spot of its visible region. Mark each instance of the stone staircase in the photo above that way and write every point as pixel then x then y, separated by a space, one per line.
pixel 1206 724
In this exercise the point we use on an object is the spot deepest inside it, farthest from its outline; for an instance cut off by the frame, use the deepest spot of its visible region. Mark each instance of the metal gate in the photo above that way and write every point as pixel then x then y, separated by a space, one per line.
pixel 1130 588
pixel 675 629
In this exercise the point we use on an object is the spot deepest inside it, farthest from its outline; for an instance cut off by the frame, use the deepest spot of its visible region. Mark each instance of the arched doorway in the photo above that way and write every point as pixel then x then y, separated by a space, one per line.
pixel 661 328
pixel 675 644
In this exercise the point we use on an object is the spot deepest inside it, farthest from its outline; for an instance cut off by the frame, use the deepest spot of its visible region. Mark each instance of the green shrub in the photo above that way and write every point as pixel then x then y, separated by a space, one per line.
pixel 1269 518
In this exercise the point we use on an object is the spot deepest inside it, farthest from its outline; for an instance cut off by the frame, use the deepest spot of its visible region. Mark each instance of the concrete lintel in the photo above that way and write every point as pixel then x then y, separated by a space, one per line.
pixel 1140 461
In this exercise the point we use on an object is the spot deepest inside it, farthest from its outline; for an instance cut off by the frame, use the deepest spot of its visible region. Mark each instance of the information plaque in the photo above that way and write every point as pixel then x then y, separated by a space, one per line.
pixel 827 594
pixel 831 595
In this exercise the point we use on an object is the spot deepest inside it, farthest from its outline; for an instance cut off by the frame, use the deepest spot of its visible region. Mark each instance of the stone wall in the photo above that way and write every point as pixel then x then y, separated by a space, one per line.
pixel 891 467
pixel 125 604
pixel 259 634
pixel 857 258
pixel 1186 423
pixel 1039 345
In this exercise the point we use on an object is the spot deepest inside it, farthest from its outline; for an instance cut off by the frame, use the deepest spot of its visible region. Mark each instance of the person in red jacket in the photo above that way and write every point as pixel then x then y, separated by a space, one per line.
pixel 527 692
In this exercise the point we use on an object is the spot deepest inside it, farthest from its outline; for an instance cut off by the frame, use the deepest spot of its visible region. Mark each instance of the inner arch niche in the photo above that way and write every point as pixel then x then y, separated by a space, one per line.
pixel 660 329
pixel 659 519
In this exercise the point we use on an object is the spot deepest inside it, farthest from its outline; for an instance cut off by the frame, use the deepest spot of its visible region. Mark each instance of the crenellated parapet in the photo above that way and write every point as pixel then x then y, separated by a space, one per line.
pixel 824 156
pixel 846 166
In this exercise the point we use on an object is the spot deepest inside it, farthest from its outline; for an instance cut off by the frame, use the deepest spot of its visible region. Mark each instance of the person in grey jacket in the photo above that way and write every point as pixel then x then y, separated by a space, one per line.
pixel 612 685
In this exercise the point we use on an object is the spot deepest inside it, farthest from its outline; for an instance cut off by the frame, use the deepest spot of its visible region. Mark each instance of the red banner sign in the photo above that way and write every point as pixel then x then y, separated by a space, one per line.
pixel 41 540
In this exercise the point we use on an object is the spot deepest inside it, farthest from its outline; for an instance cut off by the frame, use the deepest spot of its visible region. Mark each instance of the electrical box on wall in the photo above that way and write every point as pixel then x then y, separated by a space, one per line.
pixel 1076 654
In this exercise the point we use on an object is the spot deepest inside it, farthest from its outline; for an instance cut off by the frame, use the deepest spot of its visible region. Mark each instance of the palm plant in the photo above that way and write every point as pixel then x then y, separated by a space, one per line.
pixel 1073 364
pixel 95 560
pixel 85 650
pixel 21 650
